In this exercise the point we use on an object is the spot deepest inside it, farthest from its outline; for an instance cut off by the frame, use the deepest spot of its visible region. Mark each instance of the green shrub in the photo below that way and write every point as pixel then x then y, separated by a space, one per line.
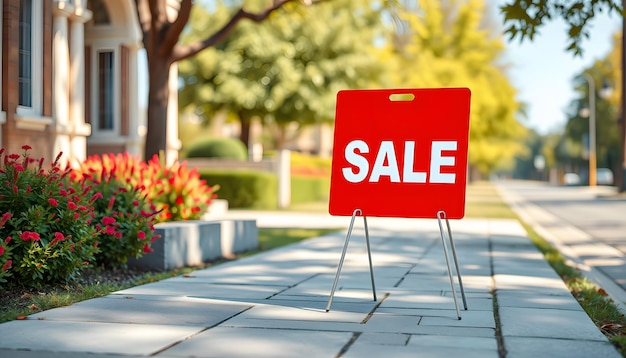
pixel 124 218
pixel 309 189
pixel 245 189
pixel 46 234
pixel 224 148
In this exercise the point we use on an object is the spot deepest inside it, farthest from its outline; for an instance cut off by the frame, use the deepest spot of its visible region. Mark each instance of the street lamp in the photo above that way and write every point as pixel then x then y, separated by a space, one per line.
pixel 604 92
pixel 592 129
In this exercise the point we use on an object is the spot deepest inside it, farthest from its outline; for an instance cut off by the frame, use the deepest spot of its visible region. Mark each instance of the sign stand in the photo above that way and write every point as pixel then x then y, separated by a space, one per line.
pixel 343 256
pixel 399 144
pixel 442 215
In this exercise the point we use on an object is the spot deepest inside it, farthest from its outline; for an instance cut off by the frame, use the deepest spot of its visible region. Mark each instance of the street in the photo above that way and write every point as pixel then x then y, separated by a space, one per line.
pixel 588 225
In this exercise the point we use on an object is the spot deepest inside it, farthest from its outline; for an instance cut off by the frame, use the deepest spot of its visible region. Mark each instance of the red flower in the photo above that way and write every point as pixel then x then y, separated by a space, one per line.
pixel 110 230
pixel 1 250
pixel 7 265
pixel 147 249
pixel 53 202
pixel 5 218
pixel 57 237
pixel 141 235
pixel 56 160
pixel 111 202
pixel 26 147
pixel 71 205
pixel 63 192
pixel 135 203
pixel 8 239
pixel 179 200
pixel 29 235
pixel 107 220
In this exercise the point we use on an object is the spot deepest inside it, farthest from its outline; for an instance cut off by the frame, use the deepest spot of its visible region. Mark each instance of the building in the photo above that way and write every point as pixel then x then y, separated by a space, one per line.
pixel 70 79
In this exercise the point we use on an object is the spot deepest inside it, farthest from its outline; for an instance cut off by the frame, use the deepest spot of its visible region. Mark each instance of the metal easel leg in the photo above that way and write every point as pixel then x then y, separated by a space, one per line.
pixel 369 256
pixel 456 264
pixel 442 215
pixel 343 256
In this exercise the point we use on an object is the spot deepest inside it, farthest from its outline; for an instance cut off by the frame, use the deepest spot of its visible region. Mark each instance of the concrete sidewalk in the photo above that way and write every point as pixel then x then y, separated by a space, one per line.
pixel 273 304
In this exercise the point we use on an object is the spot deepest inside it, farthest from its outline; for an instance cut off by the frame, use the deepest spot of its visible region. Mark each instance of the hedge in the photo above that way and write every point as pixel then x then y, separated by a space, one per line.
pixel 244 188
pixel 309 189
pixel 225 148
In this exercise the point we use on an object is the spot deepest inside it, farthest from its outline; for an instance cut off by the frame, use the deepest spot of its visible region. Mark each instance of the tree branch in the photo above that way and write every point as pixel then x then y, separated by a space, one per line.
pixel 183 52
pixel 173 31
pixel 143 17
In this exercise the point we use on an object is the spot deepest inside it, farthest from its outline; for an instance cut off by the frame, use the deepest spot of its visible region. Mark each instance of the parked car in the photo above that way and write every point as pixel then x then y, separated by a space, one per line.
pixel 571 179
pixel 604 176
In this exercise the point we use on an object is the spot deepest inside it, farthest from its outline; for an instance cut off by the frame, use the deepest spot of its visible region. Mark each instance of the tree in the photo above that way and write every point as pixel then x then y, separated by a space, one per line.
pixel 288 69
pixel 448 44
pixel 525 17
pixel 577 127
pixel 161 33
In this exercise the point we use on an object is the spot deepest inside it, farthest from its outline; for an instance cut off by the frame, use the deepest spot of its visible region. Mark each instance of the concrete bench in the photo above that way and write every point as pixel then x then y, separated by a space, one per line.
pixel 189 243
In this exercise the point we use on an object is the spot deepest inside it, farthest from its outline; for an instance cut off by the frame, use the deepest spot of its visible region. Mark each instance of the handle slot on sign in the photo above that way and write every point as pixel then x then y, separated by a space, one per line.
pixel 401 97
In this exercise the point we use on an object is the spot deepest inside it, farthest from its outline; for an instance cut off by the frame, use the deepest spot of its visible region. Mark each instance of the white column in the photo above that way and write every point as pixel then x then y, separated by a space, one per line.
pixel 172 143
pixel 134 144
pixel 60 79
pixel 81 130
pixel 284 178
pixel 2 114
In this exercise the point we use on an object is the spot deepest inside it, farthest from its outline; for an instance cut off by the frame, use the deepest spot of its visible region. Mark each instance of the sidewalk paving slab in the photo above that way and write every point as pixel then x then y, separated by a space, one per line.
pixel 273 304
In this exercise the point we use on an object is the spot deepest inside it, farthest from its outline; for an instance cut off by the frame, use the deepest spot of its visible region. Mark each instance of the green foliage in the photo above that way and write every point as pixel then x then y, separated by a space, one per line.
pixel 287 69
pixel 605 71
pixel 245 189
pixel 45 230
pixel 447 45
pixel 223 148
pixel 124 218
pixel 309 189
pixel 525 17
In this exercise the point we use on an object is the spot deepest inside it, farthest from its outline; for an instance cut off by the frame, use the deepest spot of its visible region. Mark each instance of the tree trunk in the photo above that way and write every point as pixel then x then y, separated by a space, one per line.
pixel 245 120
pixel 281 137
pixel 158 96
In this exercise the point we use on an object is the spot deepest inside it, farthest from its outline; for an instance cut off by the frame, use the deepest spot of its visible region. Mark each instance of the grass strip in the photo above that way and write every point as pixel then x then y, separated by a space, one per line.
pixel 594 300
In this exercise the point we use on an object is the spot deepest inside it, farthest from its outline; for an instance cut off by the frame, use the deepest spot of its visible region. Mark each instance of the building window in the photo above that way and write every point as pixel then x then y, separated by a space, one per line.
pixel 106 77
pixel 30 63
pixel 25 54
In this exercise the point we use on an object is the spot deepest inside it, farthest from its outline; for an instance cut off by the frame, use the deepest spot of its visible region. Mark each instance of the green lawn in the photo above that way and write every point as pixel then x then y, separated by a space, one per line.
pixel 483 201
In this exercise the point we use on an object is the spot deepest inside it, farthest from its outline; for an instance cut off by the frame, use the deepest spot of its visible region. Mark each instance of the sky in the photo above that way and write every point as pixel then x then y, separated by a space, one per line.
pixel 543 72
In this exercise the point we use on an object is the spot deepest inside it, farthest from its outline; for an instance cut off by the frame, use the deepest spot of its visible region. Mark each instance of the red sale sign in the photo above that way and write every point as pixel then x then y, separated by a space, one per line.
pixel 400 153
